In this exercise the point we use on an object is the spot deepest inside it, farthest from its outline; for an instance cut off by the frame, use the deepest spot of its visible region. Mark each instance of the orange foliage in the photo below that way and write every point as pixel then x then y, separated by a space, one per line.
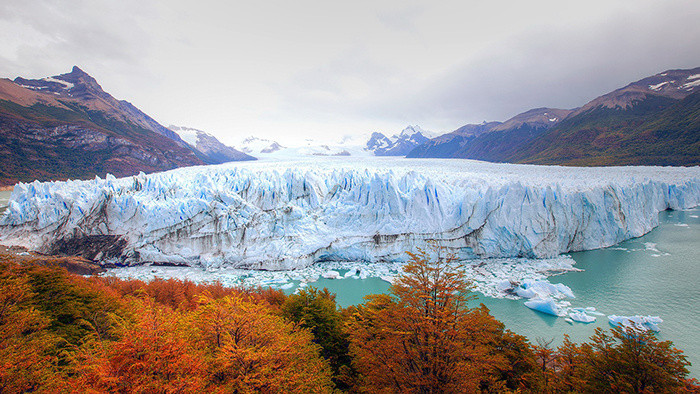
pixel 65 333
pixel 252 350
pixel 424 339
pixel 176 293
pixel 27 351
pixel 153 355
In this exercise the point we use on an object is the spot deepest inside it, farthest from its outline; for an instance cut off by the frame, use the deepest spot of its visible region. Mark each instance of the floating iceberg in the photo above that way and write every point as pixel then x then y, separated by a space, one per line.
pixel 331 274
pixel 290 214
pixel 581 316
pixel 545 297
pixel 638 322
pixel 546 305
pixel 543 289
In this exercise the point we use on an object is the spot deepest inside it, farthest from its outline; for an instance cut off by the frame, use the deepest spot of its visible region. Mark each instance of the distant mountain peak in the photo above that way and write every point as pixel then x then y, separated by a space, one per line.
pixel 396 145
pixel 208 147
pixel 256 145
pixel 671 84
pixel 77 70
pixel 410 130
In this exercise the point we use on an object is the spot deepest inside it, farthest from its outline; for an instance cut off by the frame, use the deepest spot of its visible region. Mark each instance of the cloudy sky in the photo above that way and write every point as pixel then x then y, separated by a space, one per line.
pixel 291 70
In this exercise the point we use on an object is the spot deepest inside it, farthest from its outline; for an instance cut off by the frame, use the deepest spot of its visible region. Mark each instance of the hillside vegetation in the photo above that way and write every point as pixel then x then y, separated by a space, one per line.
pixel 656 131
pixel 65 333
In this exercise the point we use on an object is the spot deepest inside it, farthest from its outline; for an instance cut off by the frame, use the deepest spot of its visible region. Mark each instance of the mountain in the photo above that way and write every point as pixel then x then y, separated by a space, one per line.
pixel 492 141
pixel 653 121
pixel 396 145
pixel 66 126
pixel 209 148
pixel 256 146
pixel 80 87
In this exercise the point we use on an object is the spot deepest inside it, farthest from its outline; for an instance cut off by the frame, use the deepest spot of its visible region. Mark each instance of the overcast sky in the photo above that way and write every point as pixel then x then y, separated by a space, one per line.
pixel 323 69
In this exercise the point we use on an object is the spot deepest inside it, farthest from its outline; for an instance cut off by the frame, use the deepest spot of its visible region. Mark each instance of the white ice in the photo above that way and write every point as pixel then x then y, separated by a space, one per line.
pixel 581 315
pixel 638 322
pixel 279 215
pixel 546 305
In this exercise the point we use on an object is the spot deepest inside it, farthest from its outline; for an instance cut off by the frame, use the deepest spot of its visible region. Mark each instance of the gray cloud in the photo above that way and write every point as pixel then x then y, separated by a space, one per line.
pixel 293 69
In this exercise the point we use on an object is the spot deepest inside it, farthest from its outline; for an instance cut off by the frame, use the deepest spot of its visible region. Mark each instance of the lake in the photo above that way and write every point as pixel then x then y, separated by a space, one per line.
pixel 656 274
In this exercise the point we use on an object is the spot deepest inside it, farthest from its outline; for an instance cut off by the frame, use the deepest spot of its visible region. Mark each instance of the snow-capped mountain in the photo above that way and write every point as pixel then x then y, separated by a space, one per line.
pixel 78 86
pixel 671 84
pixel 397 145
pixel 261 147
pixel 67 126
pixel 256 146
pixel 208 147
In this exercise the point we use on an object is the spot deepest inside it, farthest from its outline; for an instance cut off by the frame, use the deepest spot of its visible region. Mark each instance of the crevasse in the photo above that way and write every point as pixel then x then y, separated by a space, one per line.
pixel 285 215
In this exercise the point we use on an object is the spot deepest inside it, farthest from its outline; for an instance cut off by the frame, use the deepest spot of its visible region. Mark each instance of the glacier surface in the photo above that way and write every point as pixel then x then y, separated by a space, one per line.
pixel 288 214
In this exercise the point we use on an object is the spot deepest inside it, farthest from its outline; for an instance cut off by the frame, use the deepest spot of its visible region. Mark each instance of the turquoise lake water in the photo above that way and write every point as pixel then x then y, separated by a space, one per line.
pixel 657 274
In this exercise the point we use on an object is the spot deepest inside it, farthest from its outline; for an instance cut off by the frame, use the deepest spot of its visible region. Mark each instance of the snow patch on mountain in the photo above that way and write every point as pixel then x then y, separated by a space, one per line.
pixel 188 134
pixel 66 85
pixel 690 85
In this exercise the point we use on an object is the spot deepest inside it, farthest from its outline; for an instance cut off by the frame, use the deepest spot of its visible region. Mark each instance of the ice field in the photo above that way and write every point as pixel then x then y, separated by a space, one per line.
pixel 281 215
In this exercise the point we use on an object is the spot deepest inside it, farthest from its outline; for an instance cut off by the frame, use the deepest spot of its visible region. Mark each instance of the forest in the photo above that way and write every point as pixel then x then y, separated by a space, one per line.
pixel 61 332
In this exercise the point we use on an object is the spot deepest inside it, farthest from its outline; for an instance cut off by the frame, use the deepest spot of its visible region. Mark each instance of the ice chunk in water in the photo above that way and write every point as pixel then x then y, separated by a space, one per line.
pixel 581 316
pixel 543 289
pixel 638 322
pixel 331 274
pixel 545 305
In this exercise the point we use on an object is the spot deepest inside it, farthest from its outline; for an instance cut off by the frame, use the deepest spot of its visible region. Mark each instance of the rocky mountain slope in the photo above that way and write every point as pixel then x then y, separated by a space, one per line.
pixel 208 147
pixel 654 121
pixel 492 141
pixel 66 126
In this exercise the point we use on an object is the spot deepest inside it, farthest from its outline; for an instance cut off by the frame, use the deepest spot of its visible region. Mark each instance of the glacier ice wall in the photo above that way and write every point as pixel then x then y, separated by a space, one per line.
pixel 289 214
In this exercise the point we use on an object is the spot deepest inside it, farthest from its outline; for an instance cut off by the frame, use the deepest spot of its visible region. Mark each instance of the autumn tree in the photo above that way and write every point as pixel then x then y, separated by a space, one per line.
pixel 316 310
pixel 424 338
pixel 74 306
pixel 622 361
pixel 152 355
pixel 250 349
pixel 28 361
pixel 544 357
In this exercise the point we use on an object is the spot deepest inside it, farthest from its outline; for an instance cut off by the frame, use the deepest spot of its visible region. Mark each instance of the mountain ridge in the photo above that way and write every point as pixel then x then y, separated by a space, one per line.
pixel 67 126
pixel 210 149
pixel 617 128
pixel 398 144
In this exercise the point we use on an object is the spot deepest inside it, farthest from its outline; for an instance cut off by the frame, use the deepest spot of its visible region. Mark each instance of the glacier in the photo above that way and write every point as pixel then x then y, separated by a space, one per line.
pixel 290 214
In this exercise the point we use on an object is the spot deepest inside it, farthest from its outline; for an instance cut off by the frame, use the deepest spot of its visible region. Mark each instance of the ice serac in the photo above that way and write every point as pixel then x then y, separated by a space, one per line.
pixel 284 215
